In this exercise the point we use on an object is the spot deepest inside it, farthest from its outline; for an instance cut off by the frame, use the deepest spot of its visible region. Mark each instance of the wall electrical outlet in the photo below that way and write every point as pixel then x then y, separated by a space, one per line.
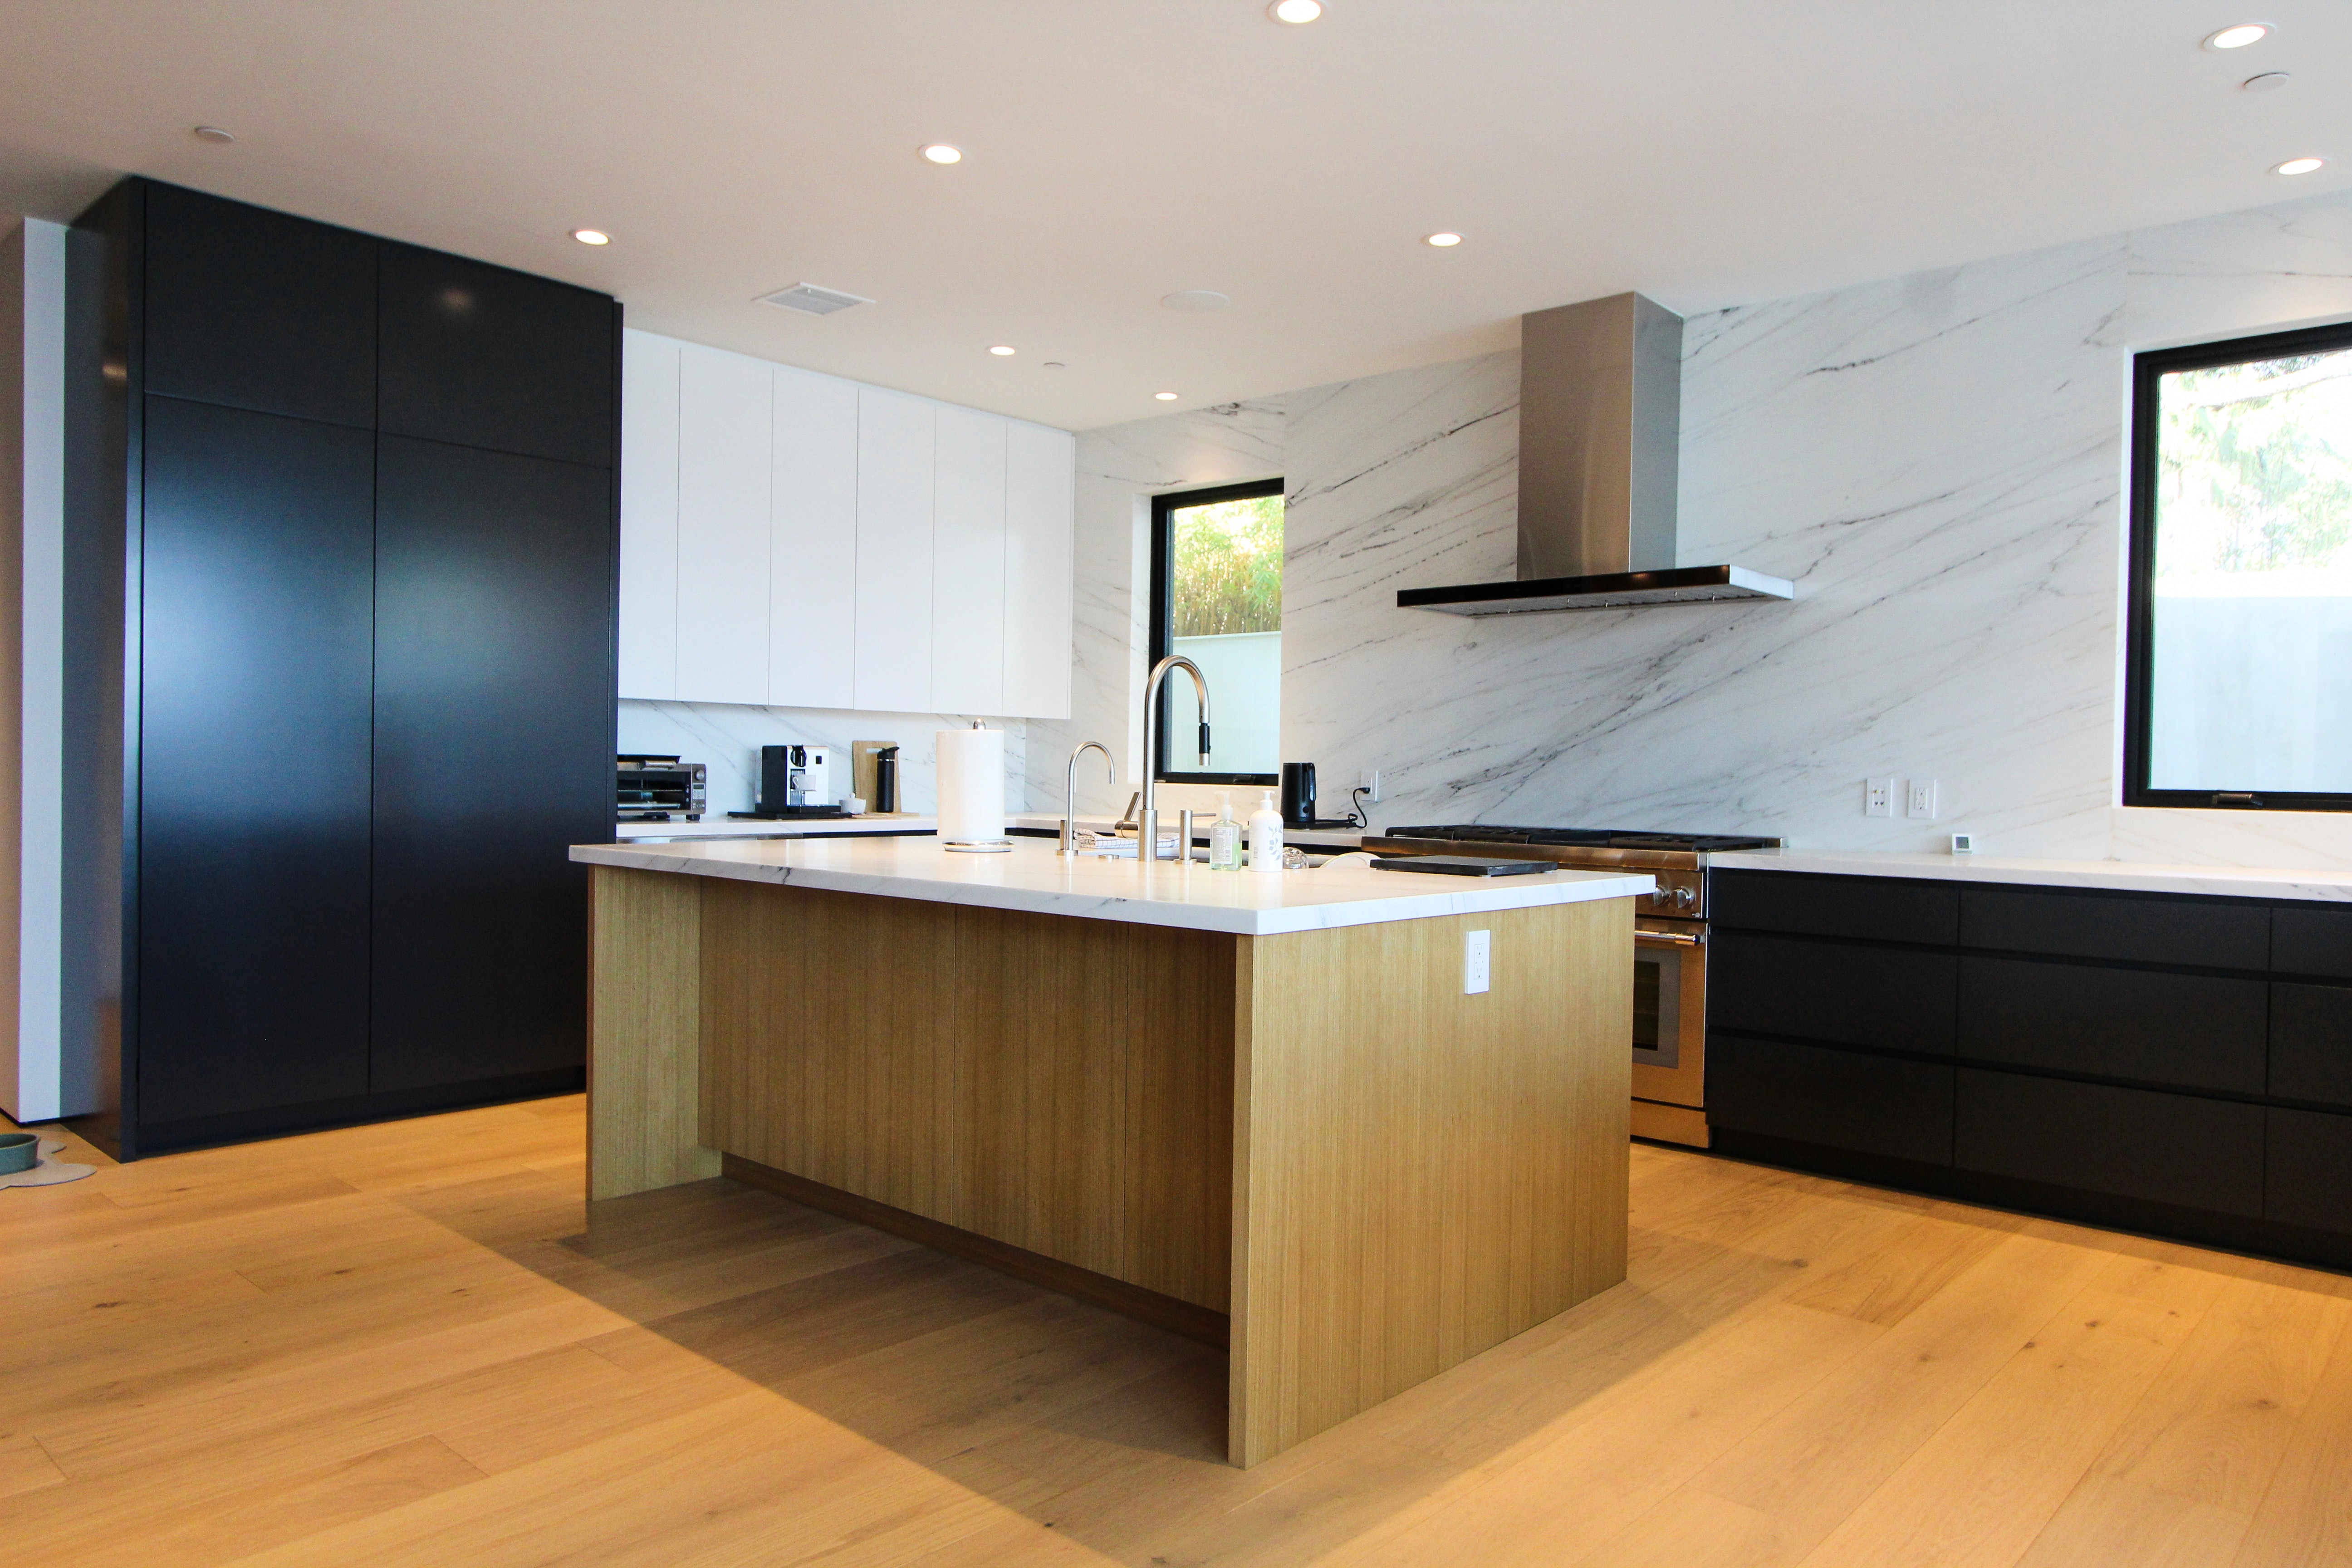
pixel 1474 967
pixel 1922 802
pixel 1878 797
pixel 1372 784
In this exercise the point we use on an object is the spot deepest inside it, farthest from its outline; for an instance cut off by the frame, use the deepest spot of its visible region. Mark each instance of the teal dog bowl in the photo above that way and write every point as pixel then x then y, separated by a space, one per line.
pixel 18 1151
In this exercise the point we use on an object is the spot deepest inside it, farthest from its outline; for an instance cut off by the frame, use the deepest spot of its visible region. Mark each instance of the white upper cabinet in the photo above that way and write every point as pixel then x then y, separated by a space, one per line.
pixel 812 593
pixel 725 427
pixel 1040 501
pixel 794 540
pixel 648 516
pixel 968 565
pixel 895 466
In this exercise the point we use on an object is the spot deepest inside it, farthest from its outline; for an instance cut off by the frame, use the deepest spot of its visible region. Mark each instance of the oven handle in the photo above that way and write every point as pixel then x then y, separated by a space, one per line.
pixel 1666 938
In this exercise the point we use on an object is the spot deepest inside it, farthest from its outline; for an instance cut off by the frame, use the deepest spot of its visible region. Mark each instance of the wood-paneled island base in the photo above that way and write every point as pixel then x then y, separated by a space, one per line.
pixel 1194 1095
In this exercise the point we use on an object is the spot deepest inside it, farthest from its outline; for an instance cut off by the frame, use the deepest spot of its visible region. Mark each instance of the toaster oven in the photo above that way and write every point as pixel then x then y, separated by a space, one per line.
pixel 660 789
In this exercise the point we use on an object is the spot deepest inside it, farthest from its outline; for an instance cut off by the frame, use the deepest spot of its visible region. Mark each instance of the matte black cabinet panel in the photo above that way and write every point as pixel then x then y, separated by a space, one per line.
pixel 2162 1148
pixel 2191 933
pixel 1843 1100
pixel 481 357
pixel 253 781
pixel 2311 942
pixel 2311 1043
pixel 1877 909
pixel 2189 1031
pixel 493 755
pixel 257 309
pixel 1885 997
pixel 2310 1173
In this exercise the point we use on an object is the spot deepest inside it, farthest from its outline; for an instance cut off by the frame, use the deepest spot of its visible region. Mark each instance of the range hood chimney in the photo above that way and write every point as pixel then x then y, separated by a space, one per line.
pixel 1600 437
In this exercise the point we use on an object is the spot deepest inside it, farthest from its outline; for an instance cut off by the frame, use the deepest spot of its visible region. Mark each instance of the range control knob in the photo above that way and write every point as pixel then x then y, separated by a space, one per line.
pixel 1683 898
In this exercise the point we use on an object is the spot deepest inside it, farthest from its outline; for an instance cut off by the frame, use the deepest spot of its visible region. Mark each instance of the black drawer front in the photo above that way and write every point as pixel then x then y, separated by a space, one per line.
pixel 2311 1043
pixel 1873 908
pixel 2310 1176
pixel 2191 932
pixel 2312 941
pixel 2190 1031
pixel 1885 997
pixel 1843 1100
pixel 2133 1142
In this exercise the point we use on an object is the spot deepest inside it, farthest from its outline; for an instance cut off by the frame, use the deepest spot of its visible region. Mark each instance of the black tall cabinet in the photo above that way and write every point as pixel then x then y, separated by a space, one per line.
pixel 341 578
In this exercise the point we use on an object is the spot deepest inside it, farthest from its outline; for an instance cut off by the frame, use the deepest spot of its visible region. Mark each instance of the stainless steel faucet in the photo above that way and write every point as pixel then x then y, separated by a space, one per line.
pixel 1070 793
pixel 1147 837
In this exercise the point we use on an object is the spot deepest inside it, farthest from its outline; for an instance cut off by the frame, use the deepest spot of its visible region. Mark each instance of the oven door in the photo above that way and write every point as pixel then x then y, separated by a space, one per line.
pixel 1670 1010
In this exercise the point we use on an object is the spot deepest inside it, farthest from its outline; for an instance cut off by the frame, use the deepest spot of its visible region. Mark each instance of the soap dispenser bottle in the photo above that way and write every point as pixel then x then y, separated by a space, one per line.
pixel 1224 837
pixel 1265 835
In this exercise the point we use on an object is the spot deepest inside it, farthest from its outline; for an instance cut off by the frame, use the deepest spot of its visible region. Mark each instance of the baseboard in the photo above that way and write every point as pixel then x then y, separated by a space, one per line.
pixel 1185 1318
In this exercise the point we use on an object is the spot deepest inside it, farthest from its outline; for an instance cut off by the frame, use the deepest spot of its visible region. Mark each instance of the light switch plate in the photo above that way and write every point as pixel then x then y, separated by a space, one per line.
pixel 1878 797
pixel 1922 802
pixel 1474 964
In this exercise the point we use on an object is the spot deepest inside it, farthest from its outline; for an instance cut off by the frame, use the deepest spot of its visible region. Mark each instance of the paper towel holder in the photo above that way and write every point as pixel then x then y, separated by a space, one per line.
pixel 976 845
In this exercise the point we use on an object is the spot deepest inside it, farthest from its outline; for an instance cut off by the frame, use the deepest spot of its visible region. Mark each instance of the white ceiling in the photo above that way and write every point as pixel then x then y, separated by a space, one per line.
pixel 1707 151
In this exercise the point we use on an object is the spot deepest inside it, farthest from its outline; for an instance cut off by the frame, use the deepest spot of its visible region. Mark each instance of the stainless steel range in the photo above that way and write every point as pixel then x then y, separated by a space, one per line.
pixel 1669 946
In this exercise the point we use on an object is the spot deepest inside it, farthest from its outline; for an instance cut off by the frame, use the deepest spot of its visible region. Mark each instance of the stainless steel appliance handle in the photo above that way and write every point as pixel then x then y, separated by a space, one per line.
pixel 1666 938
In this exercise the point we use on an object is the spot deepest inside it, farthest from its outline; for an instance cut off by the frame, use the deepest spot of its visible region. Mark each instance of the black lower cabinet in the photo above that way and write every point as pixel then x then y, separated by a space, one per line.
pixel 1849 994
pixel 2185 1031
pixel 2311 1043
pixel 253 799
pixel 2309 1178
pixel 2171 1149
pixel 493 754
pixel 1887 1106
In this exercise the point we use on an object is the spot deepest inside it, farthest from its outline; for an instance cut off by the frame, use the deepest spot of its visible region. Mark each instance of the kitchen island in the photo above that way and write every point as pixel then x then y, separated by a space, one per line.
pixel 1269 1112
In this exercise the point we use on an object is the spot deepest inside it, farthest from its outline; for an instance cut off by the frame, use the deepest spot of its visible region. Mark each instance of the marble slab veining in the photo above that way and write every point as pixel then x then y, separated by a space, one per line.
pixel 1190 896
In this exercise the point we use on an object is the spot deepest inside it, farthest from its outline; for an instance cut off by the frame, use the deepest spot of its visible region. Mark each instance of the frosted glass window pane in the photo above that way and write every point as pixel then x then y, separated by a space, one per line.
pixel 2251 643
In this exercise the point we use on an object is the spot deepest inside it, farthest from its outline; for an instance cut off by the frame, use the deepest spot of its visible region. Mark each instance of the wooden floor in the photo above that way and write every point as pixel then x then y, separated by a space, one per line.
pixel 414 1344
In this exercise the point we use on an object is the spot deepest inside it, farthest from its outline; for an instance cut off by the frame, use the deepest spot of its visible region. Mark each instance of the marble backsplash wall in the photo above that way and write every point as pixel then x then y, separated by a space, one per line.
pixel 727 737
pixel 1935 460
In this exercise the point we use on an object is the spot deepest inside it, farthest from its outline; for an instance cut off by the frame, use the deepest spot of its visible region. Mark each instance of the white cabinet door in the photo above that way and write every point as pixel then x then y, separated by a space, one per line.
pixel 1040 503
pixel 813 595
pixel 893 552
pixel 968 563
pixel 724 429
pixel 648 515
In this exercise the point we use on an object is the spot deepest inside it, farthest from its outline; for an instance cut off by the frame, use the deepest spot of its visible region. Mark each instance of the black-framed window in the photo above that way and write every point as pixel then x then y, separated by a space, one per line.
pixel 2238 656
pixel 1216 598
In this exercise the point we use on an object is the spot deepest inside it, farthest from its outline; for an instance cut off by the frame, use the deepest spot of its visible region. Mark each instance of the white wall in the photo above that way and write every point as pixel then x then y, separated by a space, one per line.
pixel 34 1084
pixel 1935 460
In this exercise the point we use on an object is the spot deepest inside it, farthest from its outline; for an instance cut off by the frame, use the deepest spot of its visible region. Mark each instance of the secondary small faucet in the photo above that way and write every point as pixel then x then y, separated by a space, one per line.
pixel 1070 793
pixel 1147 837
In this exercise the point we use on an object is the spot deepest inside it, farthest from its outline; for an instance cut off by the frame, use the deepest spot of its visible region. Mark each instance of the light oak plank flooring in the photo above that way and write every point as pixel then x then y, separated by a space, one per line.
pixel 415 1344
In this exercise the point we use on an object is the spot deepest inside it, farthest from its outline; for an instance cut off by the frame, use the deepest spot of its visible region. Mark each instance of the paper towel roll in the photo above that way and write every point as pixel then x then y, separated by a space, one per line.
pixel 972 786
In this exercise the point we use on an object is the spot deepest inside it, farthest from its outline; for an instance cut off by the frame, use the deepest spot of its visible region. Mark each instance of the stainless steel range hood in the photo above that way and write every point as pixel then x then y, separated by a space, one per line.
pixel 1600 438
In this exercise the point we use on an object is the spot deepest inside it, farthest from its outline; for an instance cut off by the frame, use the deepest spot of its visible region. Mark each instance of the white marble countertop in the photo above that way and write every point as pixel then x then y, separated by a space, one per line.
pixel 2124 876
pixel 723 826
pixel 1184 894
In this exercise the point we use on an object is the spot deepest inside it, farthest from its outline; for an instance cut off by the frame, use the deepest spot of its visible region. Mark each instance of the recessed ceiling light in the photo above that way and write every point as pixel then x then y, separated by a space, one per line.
pixel 941 152
pixel 1165 396
pixel 214 133
pixel 1296 11
pixel 1196 299
pixel 2269 81
pixel 1442 240
pixel 592 237
pixel 2299 166
pixel 2239 37
pixel 999 348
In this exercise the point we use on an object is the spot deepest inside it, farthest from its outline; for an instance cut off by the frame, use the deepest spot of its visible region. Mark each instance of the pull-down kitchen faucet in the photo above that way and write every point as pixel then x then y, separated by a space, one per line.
pixel 1147 836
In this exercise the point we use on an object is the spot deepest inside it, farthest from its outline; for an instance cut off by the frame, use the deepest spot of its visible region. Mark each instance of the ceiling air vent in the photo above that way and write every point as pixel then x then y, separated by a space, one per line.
pixel 810 300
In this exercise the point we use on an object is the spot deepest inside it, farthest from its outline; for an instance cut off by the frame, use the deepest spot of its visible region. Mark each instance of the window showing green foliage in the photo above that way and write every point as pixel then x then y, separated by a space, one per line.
pixel 1226 559
pixel 2256 467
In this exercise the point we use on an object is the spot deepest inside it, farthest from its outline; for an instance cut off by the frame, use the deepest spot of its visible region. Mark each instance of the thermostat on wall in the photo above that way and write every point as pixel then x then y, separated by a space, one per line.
pixel 1964 843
